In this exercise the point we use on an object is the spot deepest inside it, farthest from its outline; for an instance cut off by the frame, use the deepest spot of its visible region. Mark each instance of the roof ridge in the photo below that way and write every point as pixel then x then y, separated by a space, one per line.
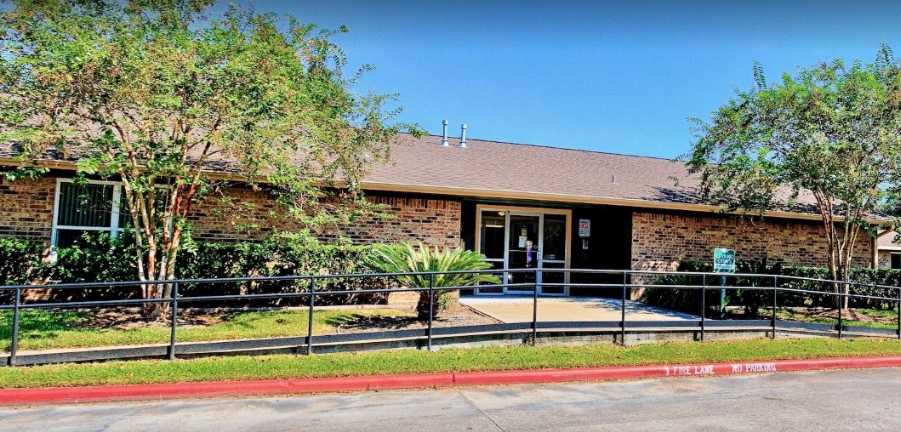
pixel 468 139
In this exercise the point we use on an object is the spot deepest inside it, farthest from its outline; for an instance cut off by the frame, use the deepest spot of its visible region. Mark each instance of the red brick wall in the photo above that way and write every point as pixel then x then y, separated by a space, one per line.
pixel 237 214
pixel 660 240
pixel 433 221
pixel 26 208
pixel 26 211
pixel 248 214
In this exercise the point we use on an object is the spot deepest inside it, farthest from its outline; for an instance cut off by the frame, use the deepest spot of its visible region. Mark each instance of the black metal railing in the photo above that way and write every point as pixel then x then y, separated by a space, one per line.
pixel 307 288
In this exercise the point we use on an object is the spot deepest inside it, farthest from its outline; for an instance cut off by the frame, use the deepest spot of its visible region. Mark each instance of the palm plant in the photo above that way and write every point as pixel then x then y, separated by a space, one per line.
pixel 406 258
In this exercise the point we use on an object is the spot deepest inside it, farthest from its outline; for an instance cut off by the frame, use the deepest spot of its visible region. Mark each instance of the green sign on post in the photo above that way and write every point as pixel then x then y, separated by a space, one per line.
pixel 723 262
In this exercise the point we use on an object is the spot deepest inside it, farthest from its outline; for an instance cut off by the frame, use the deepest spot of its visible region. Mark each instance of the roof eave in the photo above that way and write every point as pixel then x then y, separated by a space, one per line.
pixel 574 199
pixel 72 166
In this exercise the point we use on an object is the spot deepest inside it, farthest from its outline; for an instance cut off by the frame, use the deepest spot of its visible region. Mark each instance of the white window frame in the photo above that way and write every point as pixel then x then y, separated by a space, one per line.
pixel 113 228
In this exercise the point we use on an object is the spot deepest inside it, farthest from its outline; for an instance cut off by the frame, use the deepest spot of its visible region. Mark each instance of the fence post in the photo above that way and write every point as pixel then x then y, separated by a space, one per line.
pixel 899 313
pixel 535 308
pixel 840 304
pixel 14 338
pixel 775 305
pixel 173 311
pixel 703 304
pixel 310 316
pixel 431 308
pixel 622 322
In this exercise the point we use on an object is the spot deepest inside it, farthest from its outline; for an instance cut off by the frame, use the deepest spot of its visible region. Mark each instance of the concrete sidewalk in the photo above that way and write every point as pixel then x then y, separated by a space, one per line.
pixel 511 309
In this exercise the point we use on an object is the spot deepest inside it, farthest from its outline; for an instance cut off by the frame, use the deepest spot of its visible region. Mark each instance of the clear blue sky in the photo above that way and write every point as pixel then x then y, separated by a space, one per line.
pixel 612 76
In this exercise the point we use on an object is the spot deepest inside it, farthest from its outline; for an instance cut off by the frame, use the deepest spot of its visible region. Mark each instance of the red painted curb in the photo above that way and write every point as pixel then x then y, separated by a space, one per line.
pixel 110 393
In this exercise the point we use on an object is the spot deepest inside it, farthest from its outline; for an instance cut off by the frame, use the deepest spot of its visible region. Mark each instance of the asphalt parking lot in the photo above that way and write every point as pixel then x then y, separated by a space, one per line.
pixel 865 400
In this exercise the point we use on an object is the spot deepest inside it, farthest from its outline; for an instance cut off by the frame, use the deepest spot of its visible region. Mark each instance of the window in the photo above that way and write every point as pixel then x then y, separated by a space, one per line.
pixel 896 261
pixel 492 235
pixel 91 206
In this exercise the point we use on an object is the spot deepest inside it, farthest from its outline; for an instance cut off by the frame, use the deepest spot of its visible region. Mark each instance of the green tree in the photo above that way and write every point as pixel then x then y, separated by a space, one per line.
pixel 831 133
pixel 164 99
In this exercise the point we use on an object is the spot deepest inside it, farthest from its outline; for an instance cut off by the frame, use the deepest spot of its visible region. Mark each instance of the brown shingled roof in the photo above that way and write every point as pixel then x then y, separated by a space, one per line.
pixel 525 171
pixel 491 166
pixel 492 169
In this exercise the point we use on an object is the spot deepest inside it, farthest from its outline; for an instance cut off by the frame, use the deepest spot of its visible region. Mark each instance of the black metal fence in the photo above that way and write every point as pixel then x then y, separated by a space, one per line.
pixel 306 289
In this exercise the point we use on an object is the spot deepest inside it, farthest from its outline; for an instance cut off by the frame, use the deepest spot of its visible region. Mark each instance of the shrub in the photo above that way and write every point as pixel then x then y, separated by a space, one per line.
pixel 688 300
pixel 19 263
pixel 19 260
pixel 282 255
pixel 405 258
pixel 97 257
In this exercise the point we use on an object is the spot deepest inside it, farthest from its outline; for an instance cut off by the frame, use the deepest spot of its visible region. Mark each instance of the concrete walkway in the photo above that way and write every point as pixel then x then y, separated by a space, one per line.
pixel 511 309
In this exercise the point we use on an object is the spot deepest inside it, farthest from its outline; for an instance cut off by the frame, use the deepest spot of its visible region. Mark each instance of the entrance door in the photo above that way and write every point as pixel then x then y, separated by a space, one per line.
pixel 525 238
pixel 523 249
pixel 554 229
pixel 492 244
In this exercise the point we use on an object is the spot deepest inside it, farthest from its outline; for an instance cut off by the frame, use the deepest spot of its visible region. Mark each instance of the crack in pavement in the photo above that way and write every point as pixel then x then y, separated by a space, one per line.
pixel 472 404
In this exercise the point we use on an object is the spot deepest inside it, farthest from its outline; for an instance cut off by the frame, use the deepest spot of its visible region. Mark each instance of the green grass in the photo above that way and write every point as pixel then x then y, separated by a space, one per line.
pixel 64 329
pixel 406 361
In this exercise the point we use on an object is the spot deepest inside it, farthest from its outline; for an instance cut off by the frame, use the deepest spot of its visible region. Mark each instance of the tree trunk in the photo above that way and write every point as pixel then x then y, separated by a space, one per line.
pixel 442 302
pixel 846 289
pixel 841 252
pixel 422 308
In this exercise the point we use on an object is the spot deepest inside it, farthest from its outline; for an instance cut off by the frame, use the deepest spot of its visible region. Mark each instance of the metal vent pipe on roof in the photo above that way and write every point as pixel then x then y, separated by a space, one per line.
pixel 463 135
pixel 444 133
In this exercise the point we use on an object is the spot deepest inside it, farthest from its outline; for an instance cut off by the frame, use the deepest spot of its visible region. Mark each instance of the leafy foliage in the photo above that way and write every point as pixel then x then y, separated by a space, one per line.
pixel 19 260
pixel 101 258
pixel 688 300
pixel 832 134
pixel 407 258
pixel 284 255
pixel 159 96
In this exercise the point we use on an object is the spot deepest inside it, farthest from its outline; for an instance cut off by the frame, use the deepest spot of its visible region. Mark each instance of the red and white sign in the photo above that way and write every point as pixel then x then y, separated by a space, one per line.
pixel 584 228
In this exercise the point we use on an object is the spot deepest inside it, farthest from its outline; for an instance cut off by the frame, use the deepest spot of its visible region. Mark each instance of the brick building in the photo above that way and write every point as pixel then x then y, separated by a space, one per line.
pixel 520 205
pixel 888 250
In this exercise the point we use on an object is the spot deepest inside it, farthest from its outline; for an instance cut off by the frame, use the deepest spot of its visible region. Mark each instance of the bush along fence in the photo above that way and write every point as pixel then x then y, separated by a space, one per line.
pixel 97 257
pixel 101 258
pixel 309 289
pixel 813 285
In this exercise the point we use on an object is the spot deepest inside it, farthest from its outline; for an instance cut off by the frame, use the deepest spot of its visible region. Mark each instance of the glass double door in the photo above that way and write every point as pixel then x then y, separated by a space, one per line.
pixel 512 239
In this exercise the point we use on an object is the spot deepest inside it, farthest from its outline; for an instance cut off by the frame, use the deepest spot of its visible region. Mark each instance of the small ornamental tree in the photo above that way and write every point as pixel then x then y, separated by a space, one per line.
pixel 831 133
pixel 155 95
pixel 454 268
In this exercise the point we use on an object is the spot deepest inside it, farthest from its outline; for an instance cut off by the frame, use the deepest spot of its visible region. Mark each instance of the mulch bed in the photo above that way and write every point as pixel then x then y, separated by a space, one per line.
pixel 462 316
pixel 129 318
pixel 848 314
